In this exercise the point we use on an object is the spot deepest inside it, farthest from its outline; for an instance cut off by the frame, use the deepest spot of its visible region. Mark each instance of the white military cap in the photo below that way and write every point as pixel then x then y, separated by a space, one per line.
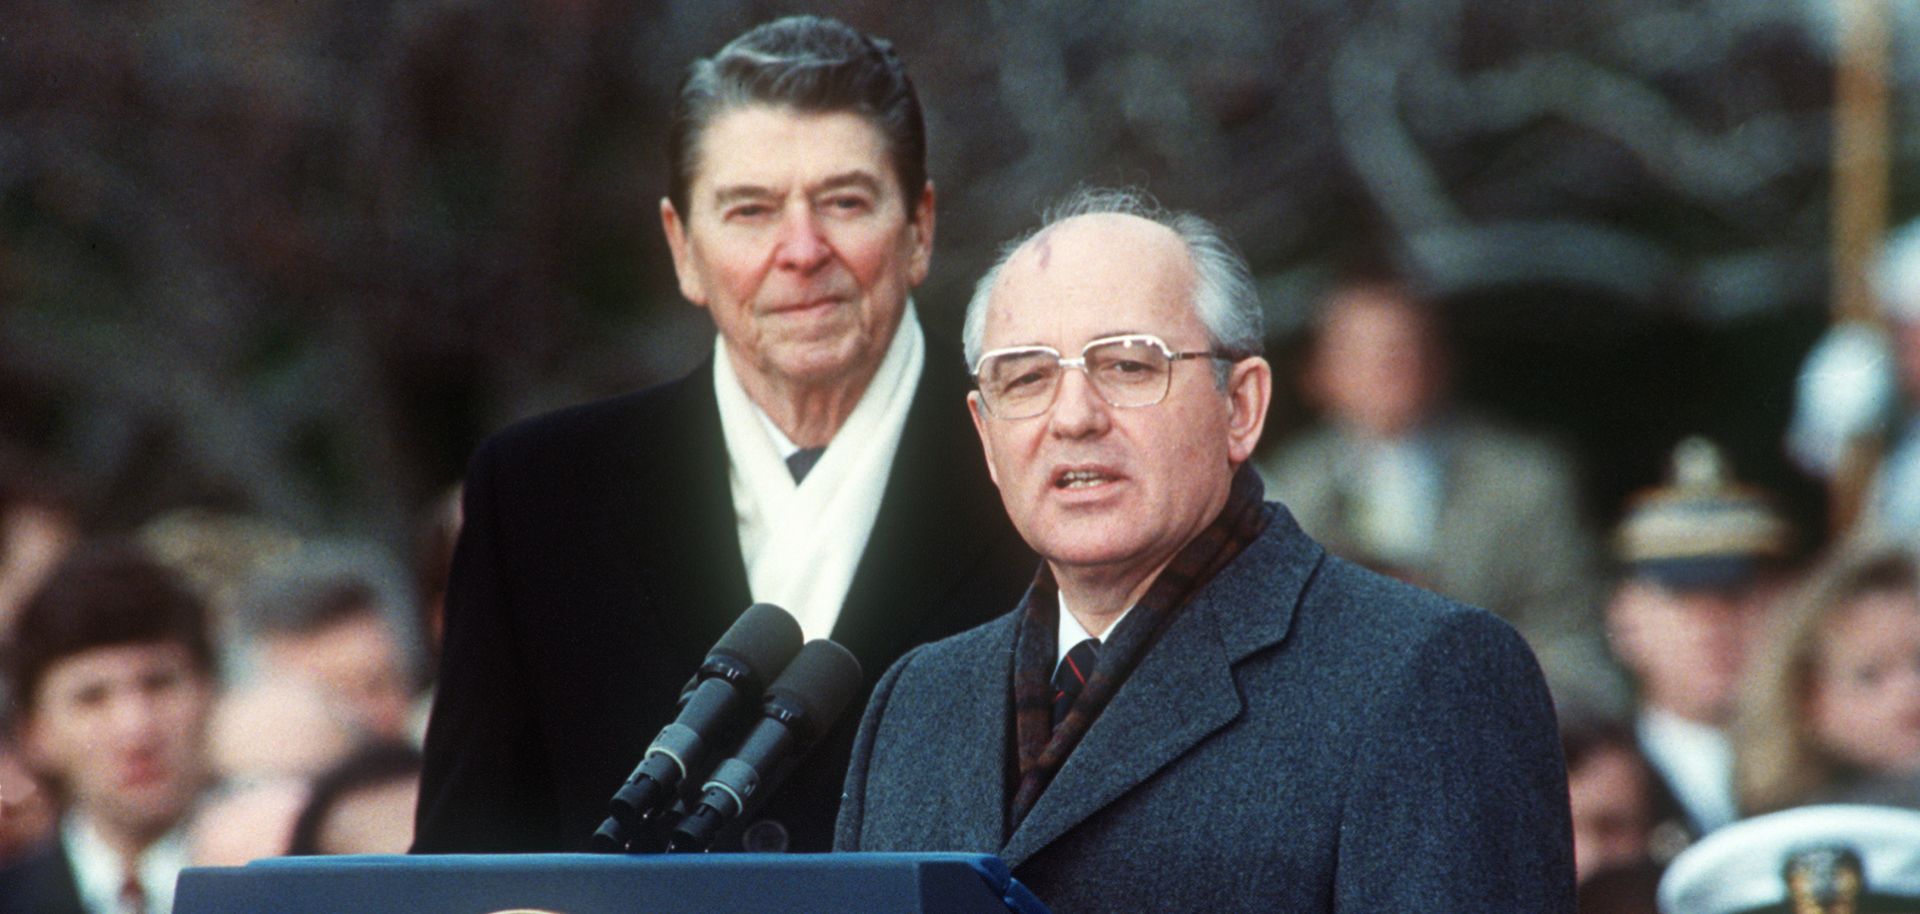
pixel 1824 859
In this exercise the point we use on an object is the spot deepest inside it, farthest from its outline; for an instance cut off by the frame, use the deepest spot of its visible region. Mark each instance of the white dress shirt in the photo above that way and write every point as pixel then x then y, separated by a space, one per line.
pixel 100 874
pixel 1071 632
pixel 1696 761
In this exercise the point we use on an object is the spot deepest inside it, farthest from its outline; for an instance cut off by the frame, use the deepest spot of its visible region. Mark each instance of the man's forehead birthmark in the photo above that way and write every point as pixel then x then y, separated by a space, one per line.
pixel 1043 248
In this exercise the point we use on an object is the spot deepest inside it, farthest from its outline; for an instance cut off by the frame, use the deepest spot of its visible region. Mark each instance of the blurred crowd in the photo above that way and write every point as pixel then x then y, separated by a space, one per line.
pixel 209 690
pixel 215 688
pixel 1710 663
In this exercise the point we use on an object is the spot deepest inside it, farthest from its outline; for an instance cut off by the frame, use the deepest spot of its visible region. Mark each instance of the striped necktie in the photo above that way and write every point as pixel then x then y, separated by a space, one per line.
pixel 1071 676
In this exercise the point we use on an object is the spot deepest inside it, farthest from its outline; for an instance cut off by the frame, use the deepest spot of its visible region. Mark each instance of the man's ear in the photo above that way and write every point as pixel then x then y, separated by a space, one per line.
pixel 977 410
pixel 30 736
pixel 676 232
pixel 1626 625
pixel 920 225
pixel 1249 390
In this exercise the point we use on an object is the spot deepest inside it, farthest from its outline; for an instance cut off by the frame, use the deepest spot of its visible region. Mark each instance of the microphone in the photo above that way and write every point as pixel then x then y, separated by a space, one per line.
pixel 758 645
pixel 800 707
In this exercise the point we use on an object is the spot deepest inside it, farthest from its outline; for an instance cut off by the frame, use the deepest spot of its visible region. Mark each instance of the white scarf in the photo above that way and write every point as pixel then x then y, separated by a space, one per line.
pixel 803 542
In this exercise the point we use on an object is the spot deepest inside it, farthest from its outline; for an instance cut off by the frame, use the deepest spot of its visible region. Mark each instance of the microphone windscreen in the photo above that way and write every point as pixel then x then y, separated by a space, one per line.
pixel 820 681
pixel 764 639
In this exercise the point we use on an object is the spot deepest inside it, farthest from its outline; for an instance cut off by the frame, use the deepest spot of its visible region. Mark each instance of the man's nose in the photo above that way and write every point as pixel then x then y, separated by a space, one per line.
pixel 134 715
pixel 801 245
pixel 1078 409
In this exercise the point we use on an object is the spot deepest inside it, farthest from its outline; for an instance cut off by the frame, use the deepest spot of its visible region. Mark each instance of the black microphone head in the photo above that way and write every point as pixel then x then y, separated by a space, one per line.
pixel 763 640
pixel 820 682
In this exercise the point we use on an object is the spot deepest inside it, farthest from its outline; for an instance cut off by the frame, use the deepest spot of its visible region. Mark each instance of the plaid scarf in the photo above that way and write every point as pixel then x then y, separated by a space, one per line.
pixel 1043 748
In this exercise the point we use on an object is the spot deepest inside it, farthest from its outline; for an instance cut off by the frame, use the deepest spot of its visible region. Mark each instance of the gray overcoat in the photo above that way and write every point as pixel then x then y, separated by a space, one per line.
pixel 1307 736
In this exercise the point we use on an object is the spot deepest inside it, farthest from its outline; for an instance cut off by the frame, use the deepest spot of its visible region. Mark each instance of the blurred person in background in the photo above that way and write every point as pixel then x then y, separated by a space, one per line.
pixel 1625 824
pixel 219 554
pixel 1402 479
pixel 1832 707
pixel 39 523
pixel 331 615
pixel 268 741
pixel 113 668
pixel 821 459
pixel 320 666
pixel 1701 560
pixel 363 805
pixel 1856 417
pixel 1834 859
pixel 1613 793
pixel 27 813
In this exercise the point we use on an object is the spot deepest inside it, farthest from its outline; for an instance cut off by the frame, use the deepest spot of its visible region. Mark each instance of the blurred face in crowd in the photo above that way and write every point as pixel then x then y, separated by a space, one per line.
pixel 799 243
pixel 357 662
pixel 314 729
pixel 1864 705
pixel 376 819
pixel 122 728
pixel 1612 814
pixel 26 809
pixel 33 539
pixel 1687 647
pixel 1113 491
pixel 1376 365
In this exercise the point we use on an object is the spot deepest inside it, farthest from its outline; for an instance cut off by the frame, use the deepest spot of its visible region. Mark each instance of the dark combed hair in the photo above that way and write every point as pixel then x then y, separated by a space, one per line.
pixel 810 64
pixel 105 594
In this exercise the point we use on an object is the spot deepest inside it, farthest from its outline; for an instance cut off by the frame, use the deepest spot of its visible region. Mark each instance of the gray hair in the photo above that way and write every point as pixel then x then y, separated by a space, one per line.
pixel 1224 296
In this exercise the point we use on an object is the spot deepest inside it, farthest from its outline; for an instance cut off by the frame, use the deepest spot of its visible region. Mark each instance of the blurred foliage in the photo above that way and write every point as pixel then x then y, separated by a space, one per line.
pixel 297 256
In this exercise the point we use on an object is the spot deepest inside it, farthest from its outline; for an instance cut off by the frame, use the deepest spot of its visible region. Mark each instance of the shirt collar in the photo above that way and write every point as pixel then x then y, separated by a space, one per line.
pixel 99 872
pixel 1071 632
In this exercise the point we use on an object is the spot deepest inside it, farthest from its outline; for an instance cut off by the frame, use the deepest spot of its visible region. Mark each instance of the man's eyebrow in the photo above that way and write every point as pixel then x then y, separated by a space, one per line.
pixel 865 180
pixel 734 193
pixel 1037 344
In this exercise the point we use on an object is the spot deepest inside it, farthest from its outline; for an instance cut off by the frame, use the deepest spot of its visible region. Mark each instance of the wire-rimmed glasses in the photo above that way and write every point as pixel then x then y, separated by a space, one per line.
pixel 1128 371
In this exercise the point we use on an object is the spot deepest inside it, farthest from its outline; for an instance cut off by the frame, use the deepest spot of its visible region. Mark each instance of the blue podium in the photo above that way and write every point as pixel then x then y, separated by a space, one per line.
pixel 610 884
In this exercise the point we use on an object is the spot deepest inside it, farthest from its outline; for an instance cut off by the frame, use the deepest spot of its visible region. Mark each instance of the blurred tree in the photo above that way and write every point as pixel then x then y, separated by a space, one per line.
pixel 297 256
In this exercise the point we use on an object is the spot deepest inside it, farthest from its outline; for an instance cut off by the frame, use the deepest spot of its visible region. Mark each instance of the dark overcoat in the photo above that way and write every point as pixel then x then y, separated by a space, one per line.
pixel 1306 736
pixel 598 562
pixel 40 882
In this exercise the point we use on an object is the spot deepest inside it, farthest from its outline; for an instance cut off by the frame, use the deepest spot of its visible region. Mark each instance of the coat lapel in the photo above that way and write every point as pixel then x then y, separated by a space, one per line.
pixel 681 509
pixel 1182 691
pixel 981 757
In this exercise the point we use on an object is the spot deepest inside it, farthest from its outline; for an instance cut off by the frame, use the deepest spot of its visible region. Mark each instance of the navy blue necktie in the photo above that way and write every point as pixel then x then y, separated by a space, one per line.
pixel 800 462
pixel 1071 676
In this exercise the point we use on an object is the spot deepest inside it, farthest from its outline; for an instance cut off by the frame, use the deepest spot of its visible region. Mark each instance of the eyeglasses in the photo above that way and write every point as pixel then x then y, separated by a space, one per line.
pixel 1130 371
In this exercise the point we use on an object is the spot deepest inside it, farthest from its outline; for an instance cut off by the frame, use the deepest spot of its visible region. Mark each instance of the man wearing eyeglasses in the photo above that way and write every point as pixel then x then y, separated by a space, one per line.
pixel 1196 707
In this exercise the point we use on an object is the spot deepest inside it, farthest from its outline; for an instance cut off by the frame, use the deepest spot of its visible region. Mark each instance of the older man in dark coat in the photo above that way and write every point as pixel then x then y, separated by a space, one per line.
pixel 1256 725
pixel 820 460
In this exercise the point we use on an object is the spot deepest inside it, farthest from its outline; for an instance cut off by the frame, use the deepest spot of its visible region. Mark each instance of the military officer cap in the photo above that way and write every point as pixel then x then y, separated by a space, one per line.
pixel 1810 860
pixel 1703 529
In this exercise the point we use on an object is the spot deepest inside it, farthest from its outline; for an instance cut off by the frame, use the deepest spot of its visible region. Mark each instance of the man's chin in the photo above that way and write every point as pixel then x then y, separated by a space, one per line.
pixel 150 816
pixel 831 361
pixel 1092 554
